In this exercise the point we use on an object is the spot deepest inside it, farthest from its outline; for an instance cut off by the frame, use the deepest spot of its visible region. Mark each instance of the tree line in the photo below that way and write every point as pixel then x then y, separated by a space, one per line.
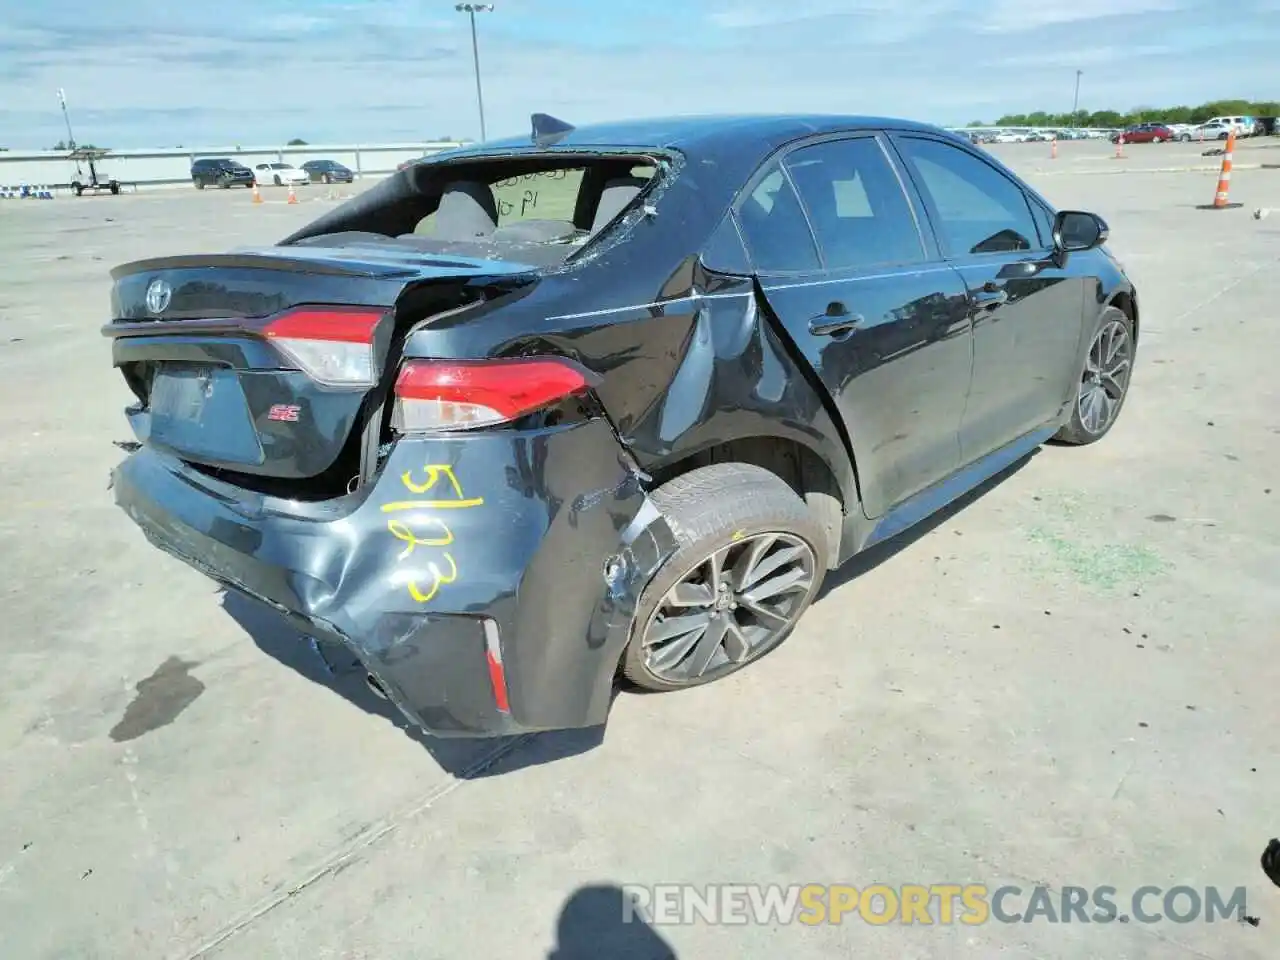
pixel 1114 118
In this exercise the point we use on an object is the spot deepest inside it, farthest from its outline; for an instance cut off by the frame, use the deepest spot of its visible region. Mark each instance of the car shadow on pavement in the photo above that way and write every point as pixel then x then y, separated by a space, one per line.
pixel 466 759
pixel 874 556
pixel 600 922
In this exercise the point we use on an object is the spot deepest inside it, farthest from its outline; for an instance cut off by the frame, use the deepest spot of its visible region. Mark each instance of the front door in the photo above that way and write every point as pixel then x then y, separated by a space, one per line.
pixel 859 289
pixel 1028 311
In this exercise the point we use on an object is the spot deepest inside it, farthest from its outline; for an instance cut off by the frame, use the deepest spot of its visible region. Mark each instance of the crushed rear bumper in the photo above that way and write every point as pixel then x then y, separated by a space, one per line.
pixel 486 582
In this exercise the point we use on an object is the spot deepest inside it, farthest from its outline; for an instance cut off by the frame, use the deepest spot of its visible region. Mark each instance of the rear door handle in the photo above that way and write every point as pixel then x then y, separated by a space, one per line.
pixel 835 321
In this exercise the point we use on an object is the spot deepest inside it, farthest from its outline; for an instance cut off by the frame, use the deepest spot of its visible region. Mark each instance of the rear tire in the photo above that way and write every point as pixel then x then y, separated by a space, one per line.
pixel 199 184
pixel 1111 345
pixel 328 179
pixel 747 525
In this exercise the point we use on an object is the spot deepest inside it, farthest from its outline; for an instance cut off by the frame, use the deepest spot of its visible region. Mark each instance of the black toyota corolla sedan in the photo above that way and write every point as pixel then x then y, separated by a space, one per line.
pixel 601 405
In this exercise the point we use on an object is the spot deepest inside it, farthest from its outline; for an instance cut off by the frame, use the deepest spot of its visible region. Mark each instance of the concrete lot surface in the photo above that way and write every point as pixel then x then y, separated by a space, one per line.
pixel 1070 680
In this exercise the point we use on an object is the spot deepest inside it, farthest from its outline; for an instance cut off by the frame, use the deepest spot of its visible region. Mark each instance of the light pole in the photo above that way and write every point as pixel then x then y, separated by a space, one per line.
pixel 471 9
pixel 1075 104
pixel 71 138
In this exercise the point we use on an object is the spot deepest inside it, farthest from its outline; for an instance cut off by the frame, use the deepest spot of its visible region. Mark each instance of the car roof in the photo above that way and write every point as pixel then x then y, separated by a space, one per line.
pixel 698 133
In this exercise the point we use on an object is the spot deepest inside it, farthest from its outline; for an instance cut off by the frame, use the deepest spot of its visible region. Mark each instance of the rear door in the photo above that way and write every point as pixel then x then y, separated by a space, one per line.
pixel 1028 311
pixel 880 319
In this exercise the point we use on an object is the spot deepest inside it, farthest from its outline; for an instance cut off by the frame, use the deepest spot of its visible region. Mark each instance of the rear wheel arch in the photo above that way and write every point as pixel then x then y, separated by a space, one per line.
pixel 801 467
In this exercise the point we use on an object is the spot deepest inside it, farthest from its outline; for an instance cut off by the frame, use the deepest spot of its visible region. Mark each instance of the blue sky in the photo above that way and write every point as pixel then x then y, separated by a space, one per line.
pixel 155 72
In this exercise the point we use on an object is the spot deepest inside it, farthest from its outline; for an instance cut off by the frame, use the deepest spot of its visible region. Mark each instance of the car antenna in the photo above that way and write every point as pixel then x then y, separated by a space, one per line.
pixel 548 130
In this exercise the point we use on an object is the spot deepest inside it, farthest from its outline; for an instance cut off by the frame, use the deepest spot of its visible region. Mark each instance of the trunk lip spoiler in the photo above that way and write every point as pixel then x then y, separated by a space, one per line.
pixel 187 326
pixel 327 261
pixel 263 260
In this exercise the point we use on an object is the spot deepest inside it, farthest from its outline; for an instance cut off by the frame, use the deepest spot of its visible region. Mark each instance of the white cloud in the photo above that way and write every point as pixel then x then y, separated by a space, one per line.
pixel 1013 16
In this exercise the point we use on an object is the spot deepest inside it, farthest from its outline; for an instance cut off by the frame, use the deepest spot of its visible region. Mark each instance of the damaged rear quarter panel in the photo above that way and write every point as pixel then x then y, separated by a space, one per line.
pixel 545 532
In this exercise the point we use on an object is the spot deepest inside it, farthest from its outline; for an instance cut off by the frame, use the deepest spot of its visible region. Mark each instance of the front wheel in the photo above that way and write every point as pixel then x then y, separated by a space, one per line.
pixel 750 560
pixel 1156 140
pixel 1185 138
pixel 1104 381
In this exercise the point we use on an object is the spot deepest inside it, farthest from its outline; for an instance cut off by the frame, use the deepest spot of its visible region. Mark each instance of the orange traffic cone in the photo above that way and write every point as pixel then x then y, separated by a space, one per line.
pixel 1220 201
pixel 1119 147
pixel 293 197
pixel 1053 149
pixel 257 197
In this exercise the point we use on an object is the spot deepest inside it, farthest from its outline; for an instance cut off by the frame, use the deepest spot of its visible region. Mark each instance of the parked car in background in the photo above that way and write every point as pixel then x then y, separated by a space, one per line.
pixel 1178 129
pixel 503 461
pixel 328 171
pixel 1212 130
pixel 220 172
pixel 1241 125
pixel 279 174
pixel 1009 136
pixel 1144 133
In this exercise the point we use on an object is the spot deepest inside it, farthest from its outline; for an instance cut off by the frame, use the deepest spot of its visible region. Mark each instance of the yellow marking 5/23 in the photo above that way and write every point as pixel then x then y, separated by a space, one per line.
pixel 429 531
pixel 439 580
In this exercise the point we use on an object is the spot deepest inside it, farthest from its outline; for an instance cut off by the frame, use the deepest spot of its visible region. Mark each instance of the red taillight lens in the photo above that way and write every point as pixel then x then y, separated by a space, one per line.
pixel 460 394
pixel 332 345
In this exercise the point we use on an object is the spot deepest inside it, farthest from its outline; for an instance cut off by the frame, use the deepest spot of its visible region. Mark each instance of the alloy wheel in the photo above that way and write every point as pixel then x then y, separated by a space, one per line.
pixel 1106 377
pixel 734 605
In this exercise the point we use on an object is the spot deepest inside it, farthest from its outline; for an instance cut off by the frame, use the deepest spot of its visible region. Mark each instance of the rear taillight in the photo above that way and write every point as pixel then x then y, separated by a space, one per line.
pixel 332 345
pixel 463 394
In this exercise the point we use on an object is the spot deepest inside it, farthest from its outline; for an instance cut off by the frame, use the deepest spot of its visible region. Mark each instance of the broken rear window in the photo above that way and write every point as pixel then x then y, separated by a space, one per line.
pixel 552 198
pixel 538 208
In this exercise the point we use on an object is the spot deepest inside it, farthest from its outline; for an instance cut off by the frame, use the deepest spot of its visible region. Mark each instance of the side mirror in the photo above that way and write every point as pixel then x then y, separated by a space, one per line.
pixel 1075 230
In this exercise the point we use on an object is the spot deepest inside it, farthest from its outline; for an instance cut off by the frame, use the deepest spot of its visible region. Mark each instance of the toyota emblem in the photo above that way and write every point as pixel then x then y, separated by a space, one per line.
pixel 159 293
